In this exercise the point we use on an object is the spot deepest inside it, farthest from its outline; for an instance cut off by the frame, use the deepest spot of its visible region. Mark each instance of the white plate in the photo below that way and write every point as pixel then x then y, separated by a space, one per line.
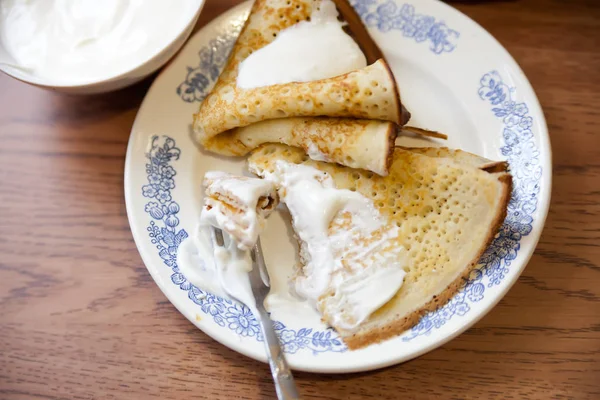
pixel 454 78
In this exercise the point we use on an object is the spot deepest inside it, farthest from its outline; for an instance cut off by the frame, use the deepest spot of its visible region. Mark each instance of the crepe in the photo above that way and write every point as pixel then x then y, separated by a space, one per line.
pixel 238 204
pixel 447 209
pixel 368 96
pixel 357 144
pixel 366 93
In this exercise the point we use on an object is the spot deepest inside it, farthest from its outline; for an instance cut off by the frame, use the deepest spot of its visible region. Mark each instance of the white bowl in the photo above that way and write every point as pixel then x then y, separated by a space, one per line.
pixel 133 75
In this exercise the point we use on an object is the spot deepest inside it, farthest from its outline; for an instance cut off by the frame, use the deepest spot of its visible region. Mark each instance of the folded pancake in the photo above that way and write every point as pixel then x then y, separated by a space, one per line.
pixel 362 144
pixel 346 244
pixel 238 204
pixel 366 93
pixel 446 209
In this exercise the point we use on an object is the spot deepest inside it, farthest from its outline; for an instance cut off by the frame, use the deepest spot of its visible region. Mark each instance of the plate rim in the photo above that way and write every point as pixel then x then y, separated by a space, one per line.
pixel 542 212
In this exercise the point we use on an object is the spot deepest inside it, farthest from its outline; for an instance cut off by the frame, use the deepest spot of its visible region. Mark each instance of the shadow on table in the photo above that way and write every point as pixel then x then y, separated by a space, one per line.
pixel 105 104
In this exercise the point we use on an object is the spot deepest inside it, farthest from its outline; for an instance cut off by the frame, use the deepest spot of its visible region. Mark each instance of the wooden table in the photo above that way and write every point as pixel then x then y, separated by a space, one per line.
pixel 81 318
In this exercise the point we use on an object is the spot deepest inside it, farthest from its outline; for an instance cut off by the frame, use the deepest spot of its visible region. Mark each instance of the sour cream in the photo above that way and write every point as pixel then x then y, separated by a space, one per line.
pixel 307 51
pixel 77 41
pixel 346 245
pixel 236 205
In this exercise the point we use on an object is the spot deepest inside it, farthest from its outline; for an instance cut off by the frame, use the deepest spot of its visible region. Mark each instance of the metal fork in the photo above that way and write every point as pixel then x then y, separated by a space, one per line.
pixel 259 283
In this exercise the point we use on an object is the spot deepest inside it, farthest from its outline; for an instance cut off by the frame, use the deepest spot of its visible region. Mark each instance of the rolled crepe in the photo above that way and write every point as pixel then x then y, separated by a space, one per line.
pixel 364 144
pixel 238 205
pixel 367 93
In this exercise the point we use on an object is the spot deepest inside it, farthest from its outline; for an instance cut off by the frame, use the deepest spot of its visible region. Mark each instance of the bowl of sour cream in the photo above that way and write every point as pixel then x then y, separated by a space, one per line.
pixel 91 46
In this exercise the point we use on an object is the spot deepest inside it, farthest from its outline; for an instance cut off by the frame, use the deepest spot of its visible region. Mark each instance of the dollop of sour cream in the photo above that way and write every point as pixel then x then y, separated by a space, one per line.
pixel 252 199
pixel 347 245
pixel 236 205
pixel 307 51
pixel 75 41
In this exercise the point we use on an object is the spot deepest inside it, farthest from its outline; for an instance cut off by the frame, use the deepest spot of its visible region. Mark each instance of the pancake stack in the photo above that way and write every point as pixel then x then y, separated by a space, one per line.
pixel 447 205
pixel 332 115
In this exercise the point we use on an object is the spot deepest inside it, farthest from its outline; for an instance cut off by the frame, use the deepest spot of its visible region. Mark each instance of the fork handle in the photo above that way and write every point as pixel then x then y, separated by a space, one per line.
pixel 282 375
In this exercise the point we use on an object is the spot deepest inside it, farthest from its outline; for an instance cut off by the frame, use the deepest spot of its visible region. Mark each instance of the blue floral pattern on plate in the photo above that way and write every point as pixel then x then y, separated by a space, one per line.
pixel 167 237
pixel 387 16
pixel 212 59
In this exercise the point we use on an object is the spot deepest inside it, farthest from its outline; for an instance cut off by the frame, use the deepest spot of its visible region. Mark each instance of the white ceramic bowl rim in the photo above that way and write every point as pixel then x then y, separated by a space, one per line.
pixel 33 79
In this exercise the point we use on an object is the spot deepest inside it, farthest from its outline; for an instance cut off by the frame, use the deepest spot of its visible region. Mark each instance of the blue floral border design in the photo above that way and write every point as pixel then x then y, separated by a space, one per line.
pixel 212 59
pixel 522 154
pixel 167 237
pixel 387 16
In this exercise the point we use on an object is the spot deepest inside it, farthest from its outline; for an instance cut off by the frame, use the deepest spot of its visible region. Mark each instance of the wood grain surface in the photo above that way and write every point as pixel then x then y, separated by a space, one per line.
pixel 81 318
